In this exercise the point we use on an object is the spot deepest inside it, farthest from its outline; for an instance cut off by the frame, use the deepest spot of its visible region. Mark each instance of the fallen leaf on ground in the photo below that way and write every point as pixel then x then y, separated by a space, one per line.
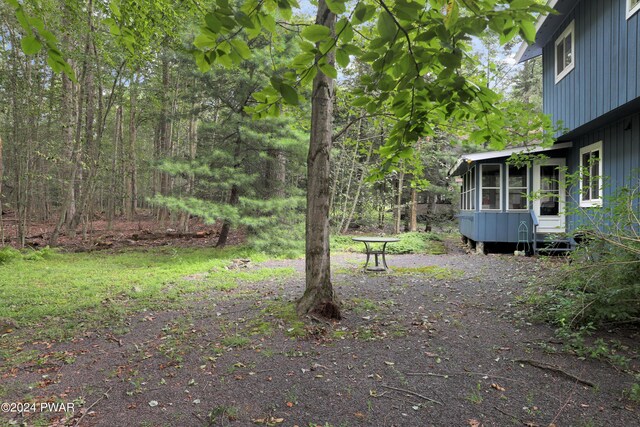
pixel 474 423
pixel 497 387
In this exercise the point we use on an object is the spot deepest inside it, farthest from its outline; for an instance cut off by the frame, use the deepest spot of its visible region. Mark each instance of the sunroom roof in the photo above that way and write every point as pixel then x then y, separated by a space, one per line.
pixel 466 161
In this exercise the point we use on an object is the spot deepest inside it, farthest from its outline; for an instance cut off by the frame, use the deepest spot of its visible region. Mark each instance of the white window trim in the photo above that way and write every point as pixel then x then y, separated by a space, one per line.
pixel 507 192
pixel 570 29
pixel 589 148
pixel 632 10
pixel 481 188
pixel 467 197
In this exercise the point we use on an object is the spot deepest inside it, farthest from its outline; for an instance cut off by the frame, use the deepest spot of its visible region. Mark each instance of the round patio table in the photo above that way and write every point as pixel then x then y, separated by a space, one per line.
pixel 370 246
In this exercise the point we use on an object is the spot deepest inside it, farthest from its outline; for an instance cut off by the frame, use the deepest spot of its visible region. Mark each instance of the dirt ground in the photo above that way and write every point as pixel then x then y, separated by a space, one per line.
pixel 145 230
pixel 440 341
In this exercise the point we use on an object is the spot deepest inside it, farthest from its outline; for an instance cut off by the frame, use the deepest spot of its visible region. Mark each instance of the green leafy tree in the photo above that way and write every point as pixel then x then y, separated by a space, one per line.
pixel 415 50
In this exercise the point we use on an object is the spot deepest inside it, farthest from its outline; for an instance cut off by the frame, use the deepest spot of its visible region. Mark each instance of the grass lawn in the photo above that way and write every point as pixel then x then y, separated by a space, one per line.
pixel 54 294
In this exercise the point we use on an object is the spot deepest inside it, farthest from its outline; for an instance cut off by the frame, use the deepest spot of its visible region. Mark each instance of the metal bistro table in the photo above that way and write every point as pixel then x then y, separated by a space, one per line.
pixel 368 241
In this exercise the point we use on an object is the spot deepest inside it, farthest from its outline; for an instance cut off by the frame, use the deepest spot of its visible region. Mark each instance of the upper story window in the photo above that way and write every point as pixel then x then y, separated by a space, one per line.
pixel 633 6
pixel 565 48
pixel 591 175
pixel 468 191
pixel 517 187
pixel 491 180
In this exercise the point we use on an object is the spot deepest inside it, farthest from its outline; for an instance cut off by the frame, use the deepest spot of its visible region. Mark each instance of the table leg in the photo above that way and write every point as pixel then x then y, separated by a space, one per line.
pixel 368 249
pixel 384 260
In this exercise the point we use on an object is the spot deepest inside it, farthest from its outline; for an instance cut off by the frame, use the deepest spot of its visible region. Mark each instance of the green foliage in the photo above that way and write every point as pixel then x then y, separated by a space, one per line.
pixel 37 37
pixel 415 52
pixel 417 243
pixel 601 284
pixel 410 243
pixel 8 254
pixel 276 226
pixel 105 287
pixel 633 393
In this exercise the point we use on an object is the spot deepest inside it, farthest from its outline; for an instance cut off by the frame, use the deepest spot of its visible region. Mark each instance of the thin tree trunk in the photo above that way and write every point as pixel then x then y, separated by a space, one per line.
pixel 234 198
pixel 132 170
pixel 1 178
pixel 113 196
pixel 164 136
pixel 356 198
pixel 192 141
pixel 413 211
pixel 319 297
pixel 354 163
pixel 398 209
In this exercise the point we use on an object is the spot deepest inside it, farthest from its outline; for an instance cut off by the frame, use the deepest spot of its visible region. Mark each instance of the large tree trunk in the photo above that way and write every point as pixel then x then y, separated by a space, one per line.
pixel 319 298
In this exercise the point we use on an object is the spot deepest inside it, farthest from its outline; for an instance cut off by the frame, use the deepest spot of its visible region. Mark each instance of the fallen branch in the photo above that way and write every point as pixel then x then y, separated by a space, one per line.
pixel 105 394
pixel 509 415
pixel 554 368
pixel 426 374
pixel 413 393
pixel 482 374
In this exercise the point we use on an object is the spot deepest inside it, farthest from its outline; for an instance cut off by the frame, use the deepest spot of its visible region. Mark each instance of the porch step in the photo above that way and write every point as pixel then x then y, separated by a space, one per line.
pixel 553 244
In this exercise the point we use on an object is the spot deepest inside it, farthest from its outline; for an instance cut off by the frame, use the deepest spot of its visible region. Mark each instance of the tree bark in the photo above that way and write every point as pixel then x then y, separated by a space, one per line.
pixel 1 178
pixel 234 197
pixel 398 209
pixel 131 189
pixel 356 197
pixel 319 298
pixel 413 211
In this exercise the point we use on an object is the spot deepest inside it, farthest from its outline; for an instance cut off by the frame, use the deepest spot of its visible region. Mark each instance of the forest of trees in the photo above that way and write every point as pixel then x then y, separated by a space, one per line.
pixel 141 130
pixel 199 109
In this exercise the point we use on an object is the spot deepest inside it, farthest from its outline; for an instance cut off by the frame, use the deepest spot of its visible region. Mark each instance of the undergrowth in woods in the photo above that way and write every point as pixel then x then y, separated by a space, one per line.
pixel 600 284
pixel 410 243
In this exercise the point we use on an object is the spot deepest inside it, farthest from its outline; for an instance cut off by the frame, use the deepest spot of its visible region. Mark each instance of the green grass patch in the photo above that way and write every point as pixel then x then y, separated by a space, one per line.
pixel 236 341
pixel 432 271
pixel 286 312
pixel 63 292
pixel 410 243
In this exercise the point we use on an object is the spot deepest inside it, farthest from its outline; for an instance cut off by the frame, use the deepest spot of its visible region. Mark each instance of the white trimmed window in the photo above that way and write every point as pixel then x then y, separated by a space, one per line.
pixel 517 188
pixel 633 6
pixel 591 175
pixel 468 191
pixel 565 52
pixel 490 190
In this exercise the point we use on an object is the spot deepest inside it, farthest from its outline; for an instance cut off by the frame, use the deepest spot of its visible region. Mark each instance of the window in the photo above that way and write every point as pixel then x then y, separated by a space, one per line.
pixel 517 187
pixel 468 194
pixel 633 6
pixel 491 176
pixel 550 190
pixel 565 48
pixel 591 175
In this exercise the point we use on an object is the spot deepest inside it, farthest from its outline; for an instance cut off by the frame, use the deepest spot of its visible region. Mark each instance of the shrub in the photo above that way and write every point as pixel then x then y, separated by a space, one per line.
pixel 8 254
pixel 410 243
pixel 601 284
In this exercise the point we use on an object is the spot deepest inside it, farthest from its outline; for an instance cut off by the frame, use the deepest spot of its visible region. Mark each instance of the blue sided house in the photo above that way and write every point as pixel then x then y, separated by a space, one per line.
pixel 591 66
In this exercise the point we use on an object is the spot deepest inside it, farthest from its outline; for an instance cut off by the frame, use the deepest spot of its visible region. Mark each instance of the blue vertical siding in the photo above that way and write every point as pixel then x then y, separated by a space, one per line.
pixel 620 161
pixel 607 64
